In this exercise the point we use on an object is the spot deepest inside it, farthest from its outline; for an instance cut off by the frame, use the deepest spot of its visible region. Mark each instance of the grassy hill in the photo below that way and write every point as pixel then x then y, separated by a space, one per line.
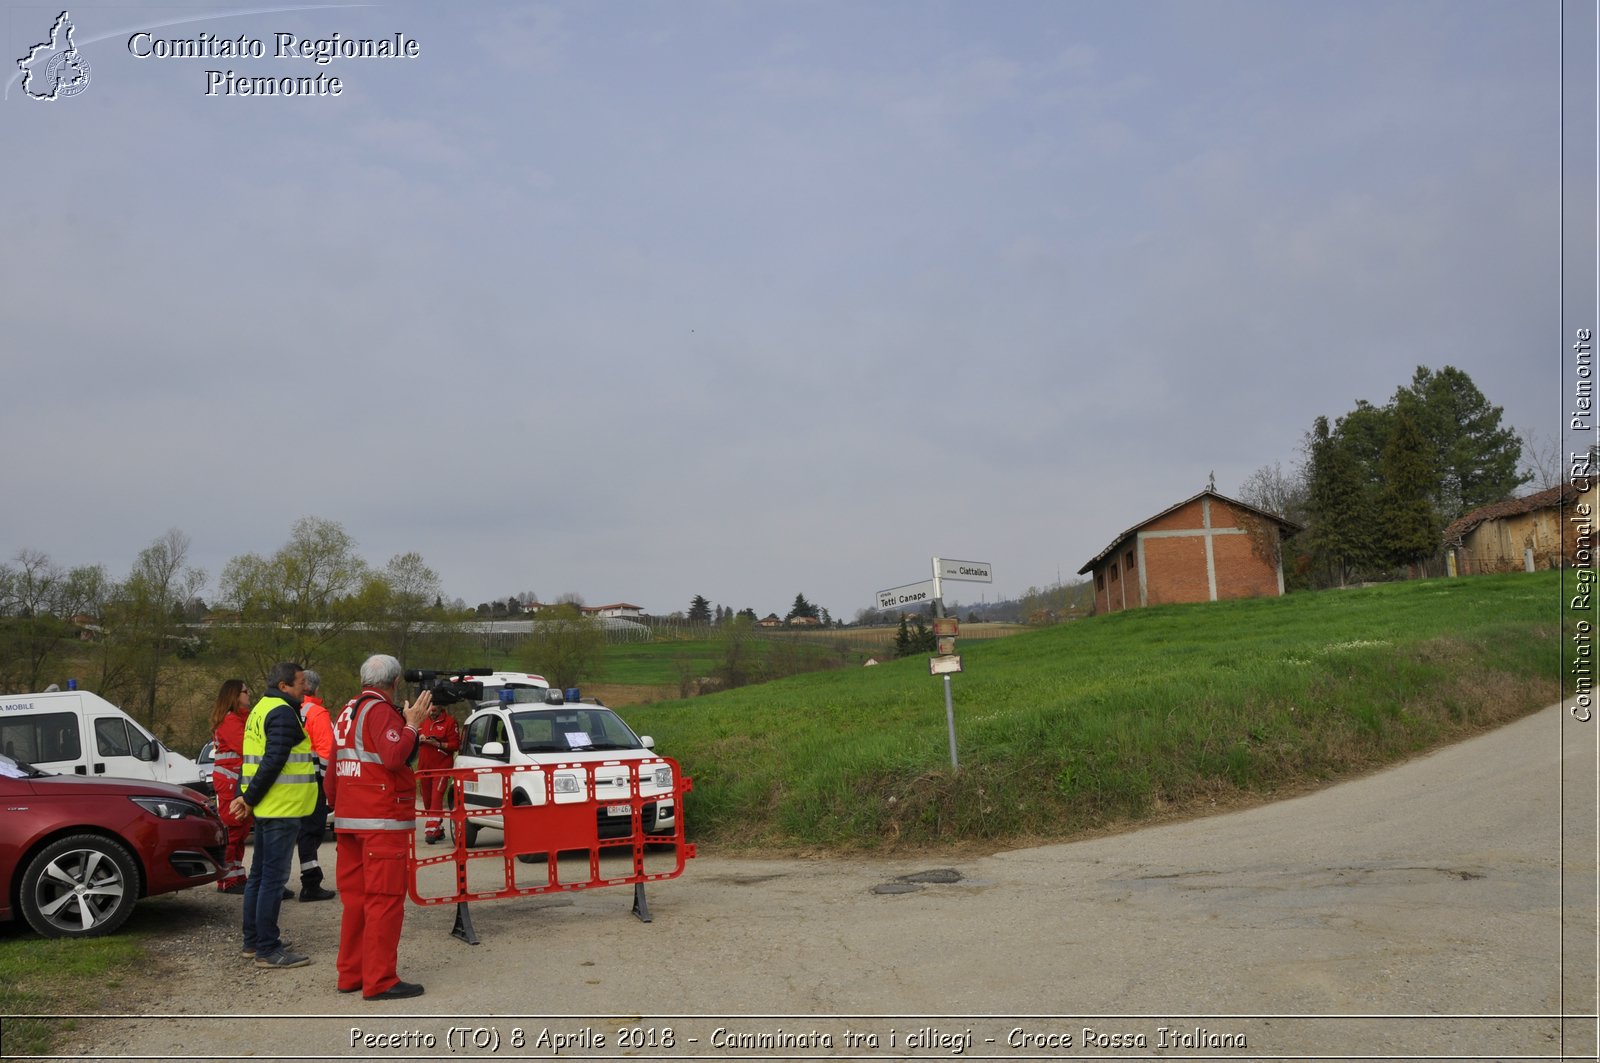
pixel 1116 718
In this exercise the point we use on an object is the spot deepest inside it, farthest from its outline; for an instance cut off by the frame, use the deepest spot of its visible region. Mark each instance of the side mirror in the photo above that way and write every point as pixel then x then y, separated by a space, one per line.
pixel 494 749
pixel 147 751
pixel 647 741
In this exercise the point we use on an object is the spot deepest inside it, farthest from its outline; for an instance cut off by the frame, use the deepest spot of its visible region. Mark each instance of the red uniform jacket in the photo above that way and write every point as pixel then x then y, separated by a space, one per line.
pixel 227 752
pixel 448 732
pixel 370 786
pixel 319 728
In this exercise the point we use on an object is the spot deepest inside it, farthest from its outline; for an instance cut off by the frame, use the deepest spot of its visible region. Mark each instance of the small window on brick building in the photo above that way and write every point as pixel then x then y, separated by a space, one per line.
pixel 1128 558
pixel 1114 570
pixel 1100 580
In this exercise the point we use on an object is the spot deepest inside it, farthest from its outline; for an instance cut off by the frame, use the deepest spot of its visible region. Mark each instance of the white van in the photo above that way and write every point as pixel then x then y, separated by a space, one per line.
pixel 74 732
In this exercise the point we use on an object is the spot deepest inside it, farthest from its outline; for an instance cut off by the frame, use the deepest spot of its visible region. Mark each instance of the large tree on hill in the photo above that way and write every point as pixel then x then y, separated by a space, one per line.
pixel 1383 481
pixel 1410 523
pixel 1475 458
pixel 1342 504
pixel 699 610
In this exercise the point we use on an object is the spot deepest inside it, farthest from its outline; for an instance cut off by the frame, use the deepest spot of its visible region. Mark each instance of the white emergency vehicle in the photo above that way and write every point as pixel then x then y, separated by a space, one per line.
pixel 74 732
pixel 524 722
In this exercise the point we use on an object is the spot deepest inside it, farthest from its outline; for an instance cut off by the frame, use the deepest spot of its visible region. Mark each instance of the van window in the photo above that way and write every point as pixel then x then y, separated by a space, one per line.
pixel 41 739
pixel 111 737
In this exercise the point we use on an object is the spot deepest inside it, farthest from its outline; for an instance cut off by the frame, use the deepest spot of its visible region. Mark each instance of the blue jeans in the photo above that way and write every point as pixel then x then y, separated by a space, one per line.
pixel 269 871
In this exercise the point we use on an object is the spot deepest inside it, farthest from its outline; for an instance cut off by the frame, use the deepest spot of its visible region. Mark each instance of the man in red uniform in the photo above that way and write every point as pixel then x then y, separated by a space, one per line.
pixel 374 793
pixel 441 737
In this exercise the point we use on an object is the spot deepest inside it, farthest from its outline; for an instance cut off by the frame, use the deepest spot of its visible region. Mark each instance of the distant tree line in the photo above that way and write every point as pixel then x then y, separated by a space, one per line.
pixel 702 611
pixel 314 601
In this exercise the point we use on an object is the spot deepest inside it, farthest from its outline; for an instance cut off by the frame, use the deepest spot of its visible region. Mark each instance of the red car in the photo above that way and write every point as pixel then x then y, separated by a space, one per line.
pixel 76 851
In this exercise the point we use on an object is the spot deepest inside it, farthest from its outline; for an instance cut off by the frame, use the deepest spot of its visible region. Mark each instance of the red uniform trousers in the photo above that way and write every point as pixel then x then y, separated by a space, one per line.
pixel 373 872
pixel 233 869
pixel 432 788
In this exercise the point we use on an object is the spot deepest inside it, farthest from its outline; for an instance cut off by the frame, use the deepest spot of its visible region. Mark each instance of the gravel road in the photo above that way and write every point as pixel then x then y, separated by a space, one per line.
pixel 1415 911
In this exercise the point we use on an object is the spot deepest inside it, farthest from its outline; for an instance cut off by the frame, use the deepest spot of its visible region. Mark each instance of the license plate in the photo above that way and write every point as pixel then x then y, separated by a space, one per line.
pixel 619 810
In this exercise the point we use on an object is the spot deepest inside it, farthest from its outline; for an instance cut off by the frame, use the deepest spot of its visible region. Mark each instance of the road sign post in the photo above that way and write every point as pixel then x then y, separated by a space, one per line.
pixel 944 627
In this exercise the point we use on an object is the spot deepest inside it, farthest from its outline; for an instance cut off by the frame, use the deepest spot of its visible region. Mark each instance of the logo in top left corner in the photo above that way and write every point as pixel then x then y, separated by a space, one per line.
pixel 55 69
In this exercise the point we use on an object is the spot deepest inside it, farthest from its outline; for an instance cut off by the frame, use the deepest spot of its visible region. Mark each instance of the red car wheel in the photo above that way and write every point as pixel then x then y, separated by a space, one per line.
pixel 81 886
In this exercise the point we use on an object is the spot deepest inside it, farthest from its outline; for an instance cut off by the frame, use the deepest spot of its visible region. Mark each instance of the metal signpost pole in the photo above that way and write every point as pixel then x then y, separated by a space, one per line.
pixel 949 707
pixel 950 722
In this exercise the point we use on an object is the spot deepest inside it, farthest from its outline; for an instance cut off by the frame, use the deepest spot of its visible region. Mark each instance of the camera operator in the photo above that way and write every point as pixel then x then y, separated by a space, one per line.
pixel 441 737
pixel 374 792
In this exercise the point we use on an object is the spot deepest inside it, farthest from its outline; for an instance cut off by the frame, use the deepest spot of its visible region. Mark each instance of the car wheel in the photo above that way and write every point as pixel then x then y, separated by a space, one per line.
pixel 81 886
pixel 469 831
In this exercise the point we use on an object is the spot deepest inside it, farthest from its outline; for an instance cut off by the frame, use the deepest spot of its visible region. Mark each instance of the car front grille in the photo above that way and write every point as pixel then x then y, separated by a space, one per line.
pixel 191 864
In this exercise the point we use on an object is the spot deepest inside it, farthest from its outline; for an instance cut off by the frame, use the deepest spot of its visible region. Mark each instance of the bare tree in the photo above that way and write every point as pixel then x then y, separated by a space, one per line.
pixel 1269 488
pixel 1544 464
pixel 149 625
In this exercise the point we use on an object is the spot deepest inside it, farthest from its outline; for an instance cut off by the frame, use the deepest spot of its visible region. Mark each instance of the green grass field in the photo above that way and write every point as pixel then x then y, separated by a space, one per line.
pixel 1114 718
pixel 663 663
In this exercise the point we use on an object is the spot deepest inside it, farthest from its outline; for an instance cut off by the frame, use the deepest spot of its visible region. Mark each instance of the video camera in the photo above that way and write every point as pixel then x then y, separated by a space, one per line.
pixel 448 687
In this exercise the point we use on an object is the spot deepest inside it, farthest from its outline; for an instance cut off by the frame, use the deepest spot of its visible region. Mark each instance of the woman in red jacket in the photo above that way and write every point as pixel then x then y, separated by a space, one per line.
pixel 227 736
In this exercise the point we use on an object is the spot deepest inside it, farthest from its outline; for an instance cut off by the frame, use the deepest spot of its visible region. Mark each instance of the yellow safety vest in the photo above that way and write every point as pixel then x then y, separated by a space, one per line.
pixel 294 793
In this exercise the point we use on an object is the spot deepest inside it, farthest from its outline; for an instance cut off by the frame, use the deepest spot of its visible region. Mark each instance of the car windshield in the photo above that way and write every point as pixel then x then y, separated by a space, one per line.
pixel 11 768
pixel 572 728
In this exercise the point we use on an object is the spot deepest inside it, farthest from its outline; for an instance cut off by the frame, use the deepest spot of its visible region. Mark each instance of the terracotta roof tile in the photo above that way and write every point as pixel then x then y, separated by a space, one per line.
pixel 1546 499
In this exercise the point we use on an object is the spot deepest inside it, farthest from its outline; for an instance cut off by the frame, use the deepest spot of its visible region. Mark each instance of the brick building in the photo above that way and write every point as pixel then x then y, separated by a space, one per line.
pixel 1203 549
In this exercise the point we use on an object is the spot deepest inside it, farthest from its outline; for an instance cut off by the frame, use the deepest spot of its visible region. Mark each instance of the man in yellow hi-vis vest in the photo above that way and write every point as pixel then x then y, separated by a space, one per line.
pixel 279 787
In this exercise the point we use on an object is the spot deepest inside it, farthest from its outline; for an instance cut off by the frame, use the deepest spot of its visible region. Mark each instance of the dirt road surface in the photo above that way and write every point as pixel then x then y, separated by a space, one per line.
pixel 1416 911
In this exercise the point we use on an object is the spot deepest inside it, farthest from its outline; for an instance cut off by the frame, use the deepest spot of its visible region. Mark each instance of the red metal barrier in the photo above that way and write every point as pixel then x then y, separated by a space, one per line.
pixel 555 829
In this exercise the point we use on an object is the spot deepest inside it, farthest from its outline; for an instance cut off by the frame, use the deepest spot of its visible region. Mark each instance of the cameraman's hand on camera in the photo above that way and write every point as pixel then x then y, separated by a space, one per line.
pixel 416 711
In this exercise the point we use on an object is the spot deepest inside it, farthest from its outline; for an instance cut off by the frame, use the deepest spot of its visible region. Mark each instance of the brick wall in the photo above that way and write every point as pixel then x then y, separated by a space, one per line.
pixel 1173 564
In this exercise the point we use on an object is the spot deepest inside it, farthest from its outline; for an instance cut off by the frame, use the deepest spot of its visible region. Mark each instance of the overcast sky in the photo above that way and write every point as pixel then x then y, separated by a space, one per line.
pixel 648 300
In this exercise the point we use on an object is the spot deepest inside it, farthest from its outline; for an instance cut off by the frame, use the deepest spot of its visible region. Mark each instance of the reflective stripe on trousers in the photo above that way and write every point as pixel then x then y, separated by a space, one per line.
pixel 349 823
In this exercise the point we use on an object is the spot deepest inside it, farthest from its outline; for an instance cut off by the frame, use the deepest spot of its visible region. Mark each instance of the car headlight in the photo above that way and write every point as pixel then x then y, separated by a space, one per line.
pixel 169 807
pixel 663 777
pixel 567 784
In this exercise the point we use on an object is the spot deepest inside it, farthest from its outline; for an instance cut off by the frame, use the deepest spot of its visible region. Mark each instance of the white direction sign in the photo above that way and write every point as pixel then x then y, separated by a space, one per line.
pixel 910 594
pixel 975 571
